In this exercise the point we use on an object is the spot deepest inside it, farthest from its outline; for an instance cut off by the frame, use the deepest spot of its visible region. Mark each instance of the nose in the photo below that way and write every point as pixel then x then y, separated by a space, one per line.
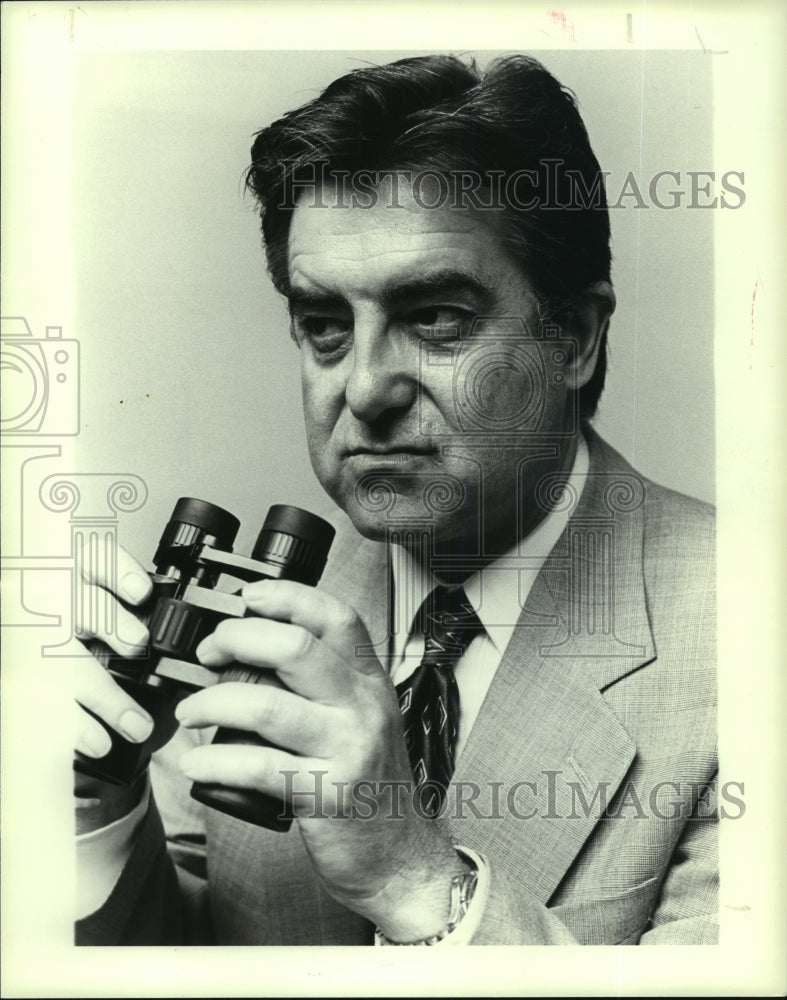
pixel 383 377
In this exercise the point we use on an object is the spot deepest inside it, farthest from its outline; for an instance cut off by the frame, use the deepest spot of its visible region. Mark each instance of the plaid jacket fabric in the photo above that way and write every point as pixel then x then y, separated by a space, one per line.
pixel 587 782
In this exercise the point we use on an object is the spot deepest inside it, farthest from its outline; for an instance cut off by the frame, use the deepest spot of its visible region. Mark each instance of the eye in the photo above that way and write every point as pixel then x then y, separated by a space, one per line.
pixel 326 335
pixel 441 323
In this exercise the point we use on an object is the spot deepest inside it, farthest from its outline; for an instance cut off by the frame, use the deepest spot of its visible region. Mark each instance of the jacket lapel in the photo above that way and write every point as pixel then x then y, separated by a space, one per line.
pixel 546 752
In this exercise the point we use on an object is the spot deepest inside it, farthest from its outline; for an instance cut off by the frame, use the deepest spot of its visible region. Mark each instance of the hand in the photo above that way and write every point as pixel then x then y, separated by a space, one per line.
pixel 99 802
pixel 336 714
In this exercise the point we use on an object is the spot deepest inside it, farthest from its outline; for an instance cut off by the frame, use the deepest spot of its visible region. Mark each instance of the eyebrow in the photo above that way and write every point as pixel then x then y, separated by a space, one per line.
pixel 440 282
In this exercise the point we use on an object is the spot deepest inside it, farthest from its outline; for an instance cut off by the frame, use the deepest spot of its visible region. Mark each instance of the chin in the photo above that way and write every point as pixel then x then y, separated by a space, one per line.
pixel 378 511
pixel 384 527
pixel 375 527
pixel 368 519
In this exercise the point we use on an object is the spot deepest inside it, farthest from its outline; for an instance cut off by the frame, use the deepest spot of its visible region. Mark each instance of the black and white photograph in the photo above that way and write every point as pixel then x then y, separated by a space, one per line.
pixel 388 520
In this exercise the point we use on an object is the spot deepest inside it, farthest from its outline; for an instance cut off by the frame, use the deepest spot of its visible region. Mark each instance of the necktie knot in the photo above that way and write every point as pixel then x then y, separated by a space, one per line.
pixel 449 624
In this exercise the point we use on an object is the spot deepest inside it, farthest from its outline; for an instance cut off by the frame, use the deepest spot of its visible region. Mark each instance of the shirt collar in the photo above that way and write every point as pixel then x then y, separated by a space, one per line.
pixel 497 592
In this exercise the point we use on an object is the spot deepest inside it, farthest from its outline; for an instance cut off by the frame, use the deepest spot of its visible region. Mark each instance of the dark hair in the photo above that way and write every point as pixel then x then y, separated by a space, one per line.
pixel 439 113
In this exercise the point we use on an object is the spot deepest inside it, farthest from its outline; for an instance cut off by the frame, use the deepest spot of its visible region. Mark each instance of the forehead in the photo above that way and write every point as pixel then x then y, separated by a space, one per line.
pixel 335 245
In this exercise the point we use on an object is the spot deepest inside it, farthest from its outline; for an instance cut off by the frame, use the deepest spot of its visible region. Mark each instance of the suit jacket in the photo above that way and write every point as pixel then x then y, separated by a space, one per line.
pixel 587 782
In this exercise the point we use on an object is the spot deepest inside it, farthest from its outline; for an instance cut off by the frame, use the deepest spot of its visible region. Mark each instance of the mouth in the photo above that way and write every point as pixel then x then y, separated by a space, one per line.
pixel 401 455
pixel 388 450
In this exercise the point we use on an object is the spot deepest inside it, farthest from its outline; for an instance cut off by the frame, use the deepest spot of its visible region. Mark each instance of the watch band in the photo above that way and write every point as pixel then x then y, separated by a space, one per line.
pixel 463 887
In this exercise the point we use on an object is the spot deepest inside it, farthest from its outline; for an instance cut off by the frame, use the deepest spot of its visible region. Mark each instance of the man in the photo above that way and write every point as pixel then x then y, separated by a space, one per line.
pixel 443 243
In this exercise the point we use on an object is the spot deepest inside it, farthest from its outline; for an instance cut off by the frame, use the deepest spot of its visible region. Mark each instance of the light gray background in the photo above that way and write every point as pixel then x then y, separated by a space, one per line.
pixel 190 379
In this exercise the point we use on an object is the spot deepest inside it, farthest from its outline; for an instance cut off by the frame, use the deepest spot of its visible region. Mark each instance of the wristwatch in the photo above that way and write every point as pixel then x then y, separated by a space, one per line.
pixel 462 889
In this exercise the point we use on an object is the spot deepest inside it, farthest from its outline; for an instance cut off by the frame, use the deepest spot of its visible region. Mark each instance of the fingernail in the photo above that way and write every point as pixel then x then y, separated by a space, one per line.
pixel 206 653
pixel 134 726
pixel 134 633
pixel 95 744
pixel 135 586
pixel 182 714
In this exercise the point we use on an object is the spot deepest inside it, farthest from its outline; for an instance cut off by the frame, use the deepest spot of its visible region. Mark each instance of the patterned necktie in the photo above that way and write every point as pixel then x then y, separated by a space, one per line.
pixel 429 698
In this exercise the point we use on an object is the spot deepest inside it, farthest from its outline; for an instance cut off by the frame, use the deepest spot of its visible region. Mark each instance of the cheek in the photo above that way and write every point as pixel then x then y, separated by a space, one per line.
pixel 436 406
pixel 322 402
pixel 509 390
pixel 318 394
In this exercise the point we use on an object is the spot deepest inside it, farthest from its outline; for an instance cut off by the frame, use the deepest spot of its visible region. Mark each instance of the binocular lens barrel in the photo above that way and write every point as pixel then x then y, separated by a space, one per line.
pixel 211 519
pixel 192 523
pixel 295 540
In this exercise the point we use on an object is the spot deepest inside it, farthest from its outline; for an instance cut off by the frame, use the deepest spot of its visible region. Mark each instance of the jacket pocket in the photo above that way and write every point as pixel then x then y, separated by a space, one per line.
pixel 619 919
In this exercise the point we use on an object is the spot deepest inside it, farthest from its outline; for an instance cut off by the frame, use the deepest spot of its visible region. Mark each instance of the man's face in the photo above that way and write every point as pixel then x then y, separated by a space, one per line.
pixel 412 412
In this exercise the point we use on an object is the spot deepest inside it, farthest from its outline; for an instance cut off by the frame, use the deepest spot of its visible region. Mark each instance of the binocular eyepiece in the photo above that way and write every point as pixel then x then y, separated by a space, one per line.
pixel 194 551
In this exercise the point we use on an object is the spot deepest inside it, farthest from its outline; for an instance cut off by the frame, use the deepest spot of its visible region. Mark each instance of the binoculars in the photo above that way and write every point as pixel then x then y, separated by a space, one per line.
pixel 184 607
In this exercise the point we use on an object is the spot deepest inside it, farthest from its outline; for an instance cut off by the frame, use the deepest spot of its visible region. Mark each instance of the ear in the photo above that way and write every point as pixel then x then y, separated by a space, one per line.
pixel 587 324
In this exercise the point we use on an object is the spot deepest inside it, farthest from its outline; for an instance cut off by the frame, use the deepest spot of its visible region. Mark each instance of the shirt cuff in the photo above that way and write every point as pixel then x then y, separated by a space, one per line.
pixel 464 931
pixel 101 856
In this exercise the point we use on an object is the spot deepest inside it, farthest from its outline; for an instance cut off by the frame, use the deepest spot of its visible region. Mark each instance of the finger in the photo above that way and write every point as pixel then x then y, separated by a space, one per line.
pixel 303 662
pixel 285 719
pixel 329 619
pixel 99 615
pixel 259 768
pixel 98 692
pixel 90 737
pixel 110 566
